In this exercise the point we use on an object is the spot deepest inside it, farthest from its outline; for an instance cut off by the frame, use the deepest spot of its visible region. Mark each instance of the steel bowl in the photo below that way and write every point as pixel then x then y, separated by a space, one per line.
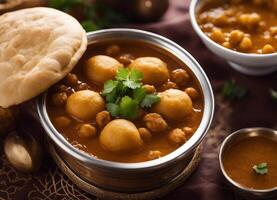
pixel 143 176
pixel 232 139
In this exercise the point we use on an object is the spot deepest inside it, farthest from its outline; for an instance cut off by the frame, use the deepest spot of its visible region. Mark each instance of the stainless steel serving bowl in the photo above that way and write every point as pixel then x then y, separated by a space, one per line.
pixel 143 176
pixel 232 139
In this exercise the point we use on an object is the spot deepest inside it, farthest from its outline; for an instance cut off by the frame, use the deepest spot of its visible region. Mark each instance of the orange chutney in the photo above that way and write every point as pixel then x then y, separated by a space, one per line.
pixel 238 162
pixel 247 26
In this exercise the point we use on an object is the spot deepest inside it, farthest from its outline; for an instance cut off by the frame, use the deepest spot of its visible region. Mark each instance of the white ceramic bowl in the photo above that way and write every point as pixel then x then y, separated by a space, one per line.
pixel 250 64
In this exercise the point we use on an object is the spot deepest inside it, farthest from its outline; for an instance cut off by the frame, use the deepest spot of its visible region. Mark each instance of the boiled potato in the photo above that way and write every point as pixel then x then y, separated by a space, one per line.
pixel 85 104
pixel 175 104
pixel 154 70
pixel 120 135
pixel 101 68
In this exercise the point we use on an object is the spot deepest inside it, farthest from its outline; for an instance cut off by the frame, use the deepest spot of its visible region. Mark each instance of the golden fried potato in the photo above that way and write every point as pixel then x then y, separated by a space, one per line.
pixel 154 70
pixel 175 104
pixel 120 135
pixel 102 68
pixel 85 104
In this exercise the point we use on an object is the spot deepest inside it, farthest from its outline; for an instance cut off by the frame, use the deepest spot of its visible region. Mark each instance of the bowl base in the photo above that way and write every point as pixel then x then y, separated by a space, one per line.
pixel 106 194
pixel 254 71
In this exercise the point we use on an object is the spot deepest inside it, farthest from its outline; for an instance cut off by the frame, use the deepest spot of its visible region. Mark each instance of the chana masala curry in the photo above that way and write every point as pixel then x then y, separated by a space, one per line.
pixel 248 26
pixel 252 162
pixel 127 101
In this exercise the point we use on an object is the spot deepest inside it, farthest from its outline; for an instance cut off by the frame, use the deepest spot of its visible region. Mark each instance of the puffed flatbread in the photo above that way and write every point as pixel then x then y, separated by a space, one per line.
pixel 38 47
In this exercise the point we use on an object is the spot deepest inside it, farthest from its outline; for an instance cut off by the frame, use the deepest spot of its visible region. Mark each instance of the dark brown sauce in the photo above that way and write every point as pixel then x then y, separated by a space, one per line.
pixel 240 158
pixel 159 141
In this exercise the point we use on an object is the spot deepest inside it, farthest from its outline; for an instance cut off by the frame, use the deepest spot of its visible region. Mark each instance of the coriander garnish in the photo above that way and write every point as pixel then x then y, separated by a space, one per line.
pixel 273 94
pixel 125 95
pixel 261 168
pixel 232 91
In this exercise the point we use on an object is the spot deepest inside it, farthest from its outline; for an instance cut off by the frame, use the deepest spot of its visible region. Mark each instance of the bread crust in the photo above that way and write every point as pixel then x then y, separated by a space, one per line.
pixel 38 47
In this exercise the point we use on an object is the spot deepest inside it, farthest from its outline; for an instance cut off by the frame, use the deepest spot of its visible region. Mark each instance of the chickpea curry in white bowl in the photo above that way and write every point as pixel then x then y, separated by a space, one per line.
pixel 127 102
pixel 241 31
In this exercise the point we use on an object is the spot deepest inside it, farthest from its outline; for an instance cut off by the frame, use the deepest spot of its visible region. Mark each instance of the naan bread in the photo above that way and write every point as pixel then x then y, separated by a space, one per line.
pixel 38 47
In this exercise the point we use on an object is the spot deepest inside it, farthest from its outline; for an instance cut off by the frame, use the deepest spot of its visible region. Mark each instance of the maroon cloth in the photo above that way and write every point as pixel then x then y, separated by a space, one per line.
pixel 207 182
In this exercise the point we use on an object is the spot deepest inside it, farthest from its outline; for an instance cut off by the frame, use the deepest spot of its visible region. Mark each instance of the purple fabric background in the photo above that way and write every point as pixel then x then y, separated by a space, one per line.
pixel 206 183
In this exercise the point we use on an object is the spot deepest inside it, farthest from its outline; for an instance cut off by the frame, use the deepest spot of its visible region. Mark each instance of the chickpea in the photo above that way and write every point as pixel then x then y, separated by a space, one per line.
pixel 221 20
pixel 69 91
pixel 86 131
pixel 71 80
pixel 155 122
pixel 226 45
pixel 180 76
pixel 61 88
pixel 250 20
pixel 177 136
pixel 273 30
pixel 62 121
pixel 169 85
pixel 82 86
pixel 218 36
pixel 126 59
pixel 187 130
pixel 103 118
pixel 245 44
pixel 193 93
pixel 59 99
pixel 268 49
pixel 149 88
pixel 235 37
pixel 154 155
pixel 145 134
pixel 113 50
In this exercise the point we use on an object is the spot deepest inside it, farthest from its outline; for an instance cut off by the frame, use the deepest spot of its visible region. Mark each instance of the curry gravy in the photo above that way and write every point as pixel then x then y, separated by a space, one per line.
pixel 159 141
pixel 239 159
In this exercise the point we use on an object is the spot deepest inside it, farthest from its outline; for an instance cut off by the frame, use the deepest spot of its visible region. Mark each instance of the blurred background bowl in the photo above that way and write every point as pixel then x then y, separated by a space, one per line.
pixel 250 64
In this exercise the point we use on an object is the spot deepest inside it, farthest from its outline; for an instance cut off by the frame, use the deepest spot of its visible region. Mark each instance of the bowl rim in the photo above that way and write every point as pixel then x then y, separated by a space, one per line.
pixel 188 147
pixel 221 155
pixel 202 35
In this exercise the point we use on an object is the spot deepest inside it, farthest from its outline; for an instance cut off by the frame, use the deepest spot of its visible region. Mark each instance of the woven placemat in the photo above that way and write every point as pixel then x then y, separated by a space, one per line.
pixel 106 194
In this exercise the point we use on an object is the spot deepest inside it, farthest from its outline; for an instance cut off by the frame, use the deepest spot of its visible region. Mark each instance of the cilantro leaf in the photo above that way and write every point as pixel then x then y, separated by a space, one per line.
pixel 261 168
pixel 232 91
pixel 122 74
pixel 113 109
pixel 136 75
pixel 139 94
pixel 109 86
pixel 128 107
pixel 273 94
pixel 111 97
pixel 149 100
pixel 125 94
pixel 132 84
